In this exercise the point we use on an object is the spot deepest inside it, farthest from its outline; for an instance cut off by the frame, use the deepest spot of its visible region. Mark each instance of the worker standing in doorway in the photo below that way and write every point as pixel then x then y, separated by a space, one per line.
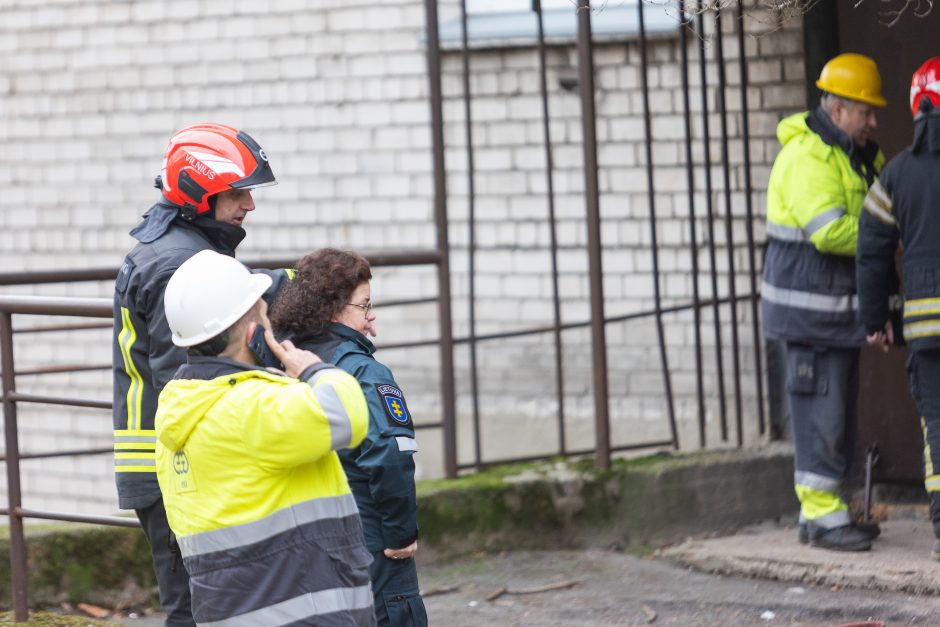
pixel 808 297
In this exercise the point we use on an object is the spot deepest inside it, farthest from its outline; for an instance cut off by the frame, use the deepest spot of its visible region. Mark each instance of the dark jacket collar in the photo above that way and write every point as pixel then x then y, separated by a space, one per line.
pixel 224 237
pixel 861 158
pixel 333 332
pixel 207 368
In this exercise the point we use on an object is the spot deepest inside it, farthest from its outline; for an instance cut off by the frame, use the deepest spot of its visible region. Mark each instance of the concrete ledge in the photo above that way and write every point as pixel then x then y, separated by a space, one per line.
pixel 653 500
pixel 649 501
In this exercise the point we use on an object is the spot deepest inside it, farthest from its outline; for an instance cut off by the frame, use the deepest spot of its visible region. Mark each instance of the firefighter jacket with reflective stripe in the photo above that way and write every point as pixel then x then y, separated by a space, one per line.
pixel 261 508
pixel 144 356
pixel 814 198
pixel 903 207
pixel 381 469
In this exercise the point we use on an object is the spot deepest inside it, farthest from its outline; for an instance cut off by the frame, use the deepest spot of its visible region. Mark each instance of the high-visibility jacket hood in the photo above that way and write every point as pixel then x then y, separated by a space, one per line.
pixel 198 387
pixel 790 127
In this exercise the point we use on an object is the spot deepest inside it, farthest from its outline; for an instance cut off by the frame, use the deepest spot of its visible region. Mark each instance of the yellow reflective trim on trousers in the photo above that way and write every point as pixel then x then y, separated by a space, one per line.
pixel 816 503
pixel 926 328
pixel 135 391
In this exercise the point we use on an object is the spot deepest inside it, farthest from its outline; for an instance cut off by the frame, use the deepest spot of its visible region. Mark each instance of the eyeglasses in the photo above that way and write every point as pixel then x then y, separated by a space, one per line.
pixel 365 308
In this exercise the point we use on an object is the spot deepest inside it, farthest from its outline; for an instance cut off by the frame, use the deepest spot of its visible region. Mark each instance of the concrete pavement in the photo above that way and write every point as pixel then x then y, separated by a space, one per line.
pixel 899 560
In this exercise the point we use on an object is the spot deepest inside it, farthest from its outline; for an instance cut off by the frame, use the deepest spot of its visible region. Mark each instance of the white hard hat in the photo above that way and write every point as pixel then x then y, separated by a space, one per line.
pixel 208 294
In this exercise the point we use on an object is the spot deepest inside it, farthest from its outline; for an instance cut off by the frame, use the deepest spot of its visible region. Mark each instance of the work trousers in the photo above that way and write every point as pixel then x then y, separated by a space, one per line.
pixel 822 387
pixel 398 601
pixel 923 368
pixel 172 578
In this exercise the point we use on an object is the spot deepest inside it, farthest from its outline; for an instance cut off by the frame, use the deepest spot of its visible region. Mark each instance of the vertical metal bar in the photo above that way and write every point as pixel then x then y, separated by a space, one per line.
pixel 710 213
pixel 693 231
pixel 448 402
pixel 550 190
pixel 749 213
pixel 729 227
pixel 14 495
pixel 592 203
pixel 471 244
pixel 651 195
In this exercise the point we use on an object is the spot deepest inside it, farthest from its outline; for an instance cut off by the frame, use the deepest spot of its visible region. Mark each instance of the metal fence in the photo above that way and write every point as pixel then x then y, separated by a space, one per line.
pixel 723 307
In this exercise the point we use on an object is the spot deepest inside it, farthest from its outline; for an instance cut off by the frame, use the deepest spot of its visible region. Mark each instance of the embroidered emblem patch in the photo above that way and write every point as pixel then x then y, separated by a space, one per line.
pixel 395 407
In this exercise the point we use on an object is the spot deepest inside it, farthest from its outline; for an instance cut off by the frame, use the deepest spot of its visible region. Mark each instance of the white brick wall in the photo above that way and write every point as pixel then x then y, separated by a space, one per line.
pixel 336 92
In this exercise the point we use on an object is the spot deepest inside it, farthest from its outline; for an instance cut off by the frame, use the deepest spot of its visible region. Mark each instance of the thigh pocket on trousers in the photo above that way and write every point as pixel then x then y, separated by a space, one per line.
pixel 405 610
pixel 806 370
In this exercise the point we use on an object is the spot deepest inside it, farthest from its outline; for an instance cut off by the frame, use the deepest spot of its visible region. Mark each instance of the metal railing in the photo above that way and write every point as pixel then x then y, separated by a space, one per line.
pixel 102 308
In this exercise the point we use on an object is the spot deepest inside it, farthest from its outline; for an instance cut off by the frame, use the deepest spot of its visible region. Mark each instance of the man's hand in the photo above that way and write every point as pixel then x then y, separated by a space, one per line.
pixel 402 554
pixel 884 338
pixel 295 360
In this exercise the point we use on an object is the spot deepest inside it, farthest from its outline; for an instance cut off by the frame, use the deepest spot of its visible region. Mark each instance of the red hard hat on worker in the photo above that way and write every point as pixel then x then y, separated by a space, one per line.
pixel 206 159
pixel 926 84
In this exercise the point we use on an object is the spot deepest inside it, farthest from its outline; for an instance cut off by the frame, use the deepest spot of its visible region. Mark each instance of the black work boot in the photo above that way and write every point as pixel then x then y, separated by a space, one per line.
pixel 872 529
pixel 844 538
pixel 934 499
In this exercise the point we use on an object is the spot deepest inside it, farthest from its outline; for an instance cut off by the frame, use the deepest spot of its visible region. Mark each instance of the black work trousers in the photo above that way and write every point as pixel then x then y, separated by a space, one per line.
pixel 168 566
pixel 923 368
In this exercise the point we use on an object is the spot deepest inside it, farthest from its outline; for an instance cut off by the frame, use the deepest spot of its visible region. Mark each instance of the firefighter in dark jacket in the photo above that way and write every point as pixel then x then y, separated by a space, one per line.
pixel 208 173
pixel 327 309
pixel 903 208
pixel 814 198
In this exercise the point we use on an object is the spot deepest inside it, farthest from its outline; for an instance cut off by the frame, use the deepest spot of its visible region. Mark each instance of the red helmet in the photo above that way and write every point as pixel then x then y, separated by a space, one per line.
pixel 205 159
pixel 926 84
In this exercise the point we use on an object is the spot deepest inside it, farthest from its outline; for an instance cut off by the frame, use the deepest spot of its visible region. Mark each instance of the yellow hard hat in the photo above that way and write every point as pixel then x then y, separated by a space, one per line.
pixel 852 76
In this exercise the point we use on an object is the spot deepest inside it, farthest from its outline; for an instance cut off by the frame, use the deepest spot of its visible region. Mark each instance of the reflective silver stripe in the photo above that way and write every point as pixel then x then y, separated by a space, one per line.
pixel 299 608
pixel 872 207
pixel 808 300
pixel 915 330
pixel 258 530
pixel 815 482
pixel 335 413
pixel 880 195
pixel 141 461
pixel 406 444
pixel 786 233
pixel 932 483
pixel 145 439
pixel 833 520
pixel 823 219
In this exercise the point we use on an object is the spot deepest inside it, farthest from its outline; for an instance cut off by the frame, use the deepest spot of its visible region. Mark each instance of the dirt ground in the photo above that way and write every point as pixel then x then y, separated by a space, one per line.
pixel 618 589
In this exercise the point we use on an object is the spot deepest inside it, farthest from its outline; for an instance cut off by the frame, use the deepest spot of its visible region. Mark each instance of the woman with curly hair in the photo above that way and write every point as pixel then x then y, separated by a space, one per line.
pixel 327 309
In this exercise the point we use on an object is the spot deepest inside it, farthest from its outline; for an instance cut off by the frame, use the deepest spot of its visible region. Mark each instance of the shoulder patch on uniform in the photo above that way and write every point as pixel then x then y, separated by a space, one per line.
pixel 124 276
pixel 394 403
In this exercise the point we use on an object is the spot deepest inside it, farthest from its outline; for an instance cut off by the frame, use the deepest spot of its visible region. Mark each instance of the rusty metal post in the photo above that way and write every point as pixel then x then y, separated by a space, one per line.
pixel 749 212
pixel 654 239
pixel 592 202
pixel 693 230
pixel 552 228
pixel 448 401
pixel 729 226
pixel 14 496
pixel 471 244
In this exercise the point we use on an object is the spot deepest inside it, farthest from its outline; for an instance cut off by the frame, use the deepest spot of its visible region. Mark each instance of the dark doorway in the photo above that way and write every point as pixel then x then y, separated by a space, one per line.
pixel 887 414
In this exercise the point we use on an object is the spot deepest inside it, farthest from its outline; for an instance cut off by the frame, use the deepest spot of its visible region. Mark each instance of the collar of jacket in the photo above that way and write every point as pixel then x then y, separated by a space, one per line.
pixel 926 130
pixel 224 237
pixel 336 330
pixel 862 159
pixel 208 368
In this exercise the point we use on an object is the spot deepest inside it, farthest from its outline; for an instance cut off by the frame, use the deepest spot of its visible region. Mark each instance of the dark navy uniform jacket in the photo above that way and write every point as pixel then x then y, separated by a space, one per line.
pixel 903 207
pixel 144 356
pixel 380 470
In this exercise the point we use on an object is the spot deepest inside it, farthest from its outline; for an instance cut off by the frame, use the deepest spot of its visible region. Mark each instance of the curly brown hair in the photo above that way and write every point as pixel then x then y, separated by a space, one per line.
pixel 325 280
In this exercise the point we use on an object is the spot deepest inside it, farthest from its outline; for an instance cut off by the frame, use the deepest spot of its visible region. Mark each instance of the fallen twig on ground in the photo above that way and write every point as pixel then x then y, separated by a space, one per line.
pixel 560 585
pixel 439 590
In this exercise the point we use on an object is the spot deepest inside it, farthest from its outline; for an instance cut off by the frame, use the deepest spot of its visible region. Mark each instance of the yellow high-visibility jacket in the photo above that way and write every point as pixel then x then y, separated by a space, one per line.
pixel 267 527
pixel 814 200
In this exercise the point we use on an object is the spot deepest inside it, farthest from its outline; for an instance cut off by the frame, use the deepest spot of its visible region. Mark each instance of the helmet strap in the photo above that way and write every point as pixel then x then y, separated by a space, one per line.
pixel 188 212
pixel 210 348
